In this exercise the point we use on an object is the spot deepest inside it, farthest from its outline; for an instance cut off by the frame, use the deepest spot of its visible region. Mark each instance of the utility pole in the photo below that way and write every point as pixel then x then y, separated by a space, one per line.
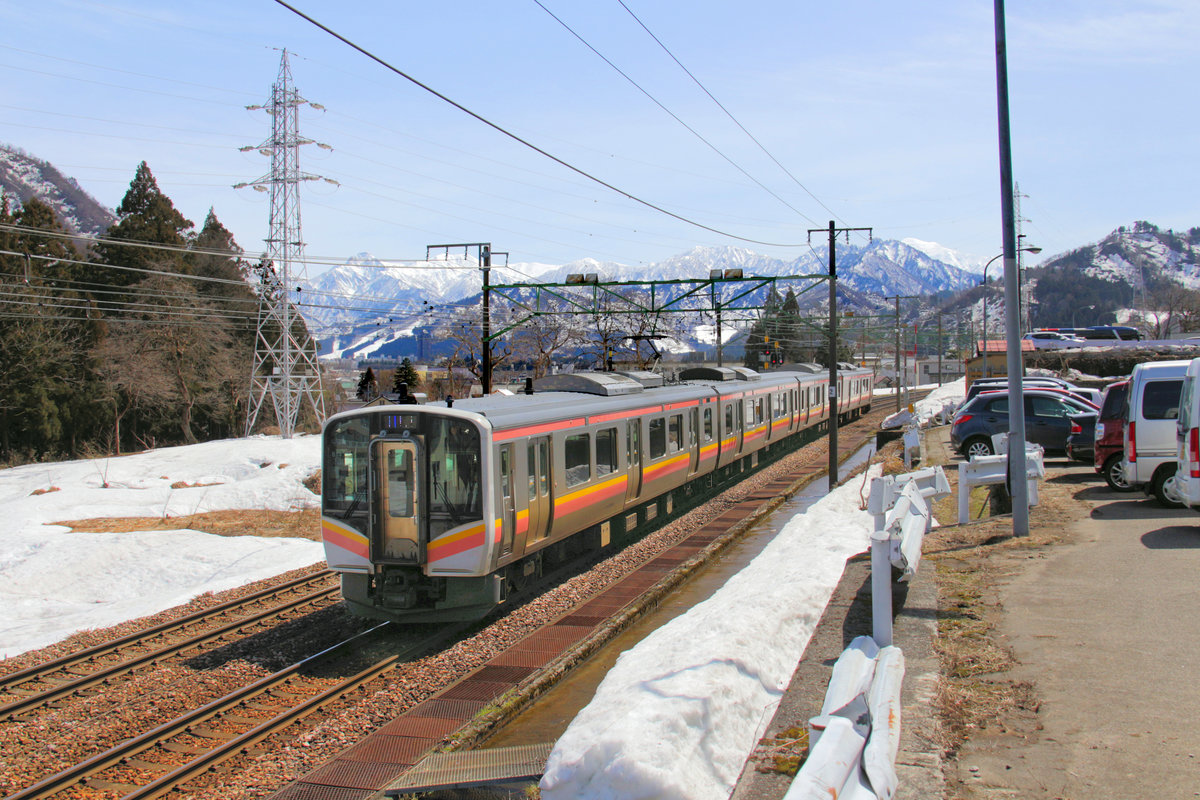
pixel 898 298
pixel 285 354
pixel 833 398
pixel 483 255
pixel 1018 485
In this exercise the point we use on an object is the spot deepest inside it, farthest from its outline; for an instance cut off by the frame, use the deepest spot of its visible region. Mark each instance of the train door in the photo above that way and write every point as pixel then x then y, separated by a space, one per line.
pixel 633 459
pixel 508 511
pixel 398 492
pixel 539 488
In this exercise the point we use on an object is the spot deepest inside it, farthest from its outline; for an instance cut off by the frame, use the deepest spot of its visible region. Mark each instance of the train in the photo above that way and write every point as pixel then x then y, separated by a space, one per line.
pixel 437 512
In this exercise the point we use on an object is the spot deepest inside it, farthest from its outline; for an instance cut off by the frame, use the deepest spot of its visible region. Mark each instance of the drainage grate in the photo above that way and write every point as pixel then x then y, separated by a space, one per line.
pixel 315 791
pixel 466 769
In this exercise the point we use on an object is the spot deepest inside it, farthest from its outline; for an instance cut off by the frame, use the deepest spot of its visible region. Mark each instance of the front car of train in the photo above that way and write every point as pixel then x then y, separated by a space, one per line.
pixel 405 510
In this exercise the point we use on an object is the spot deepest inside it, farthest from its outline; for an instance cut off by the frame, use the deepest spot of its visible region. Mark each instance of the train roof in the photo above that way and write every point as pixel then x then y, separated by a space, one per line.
pixel 572 395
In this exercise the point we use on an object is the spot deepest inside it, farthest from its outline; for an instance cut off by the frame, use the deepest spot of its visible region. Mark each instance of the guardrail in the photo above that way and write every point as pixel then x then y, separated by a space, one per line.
pixel 854 740
pixel 993 470
pixel 900 506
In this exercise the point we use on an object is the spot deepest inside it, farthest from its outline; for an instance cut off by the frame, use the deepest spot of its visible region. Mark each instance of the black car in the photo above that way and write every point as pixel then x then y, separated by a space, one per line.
pixel 1081 443
pixel 1047 421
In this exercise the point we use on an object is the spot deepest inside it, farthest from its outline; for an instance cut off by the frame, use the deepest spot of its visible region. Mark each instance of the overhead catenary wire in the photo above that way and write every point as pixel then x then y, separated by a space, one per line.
pixel 498 128
pixel 728 113
pixel 672 114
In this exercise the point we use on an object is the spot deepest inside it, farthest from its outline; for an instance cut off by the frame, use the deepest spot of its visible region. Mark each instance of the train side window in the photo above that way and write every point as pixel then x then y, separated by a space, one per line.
pixel 606 451
pixel 658 437
pixel 675 432
pixel 577 458
pixel 532 456
pixel 729 419
pixel 506 471
pixel 708 424
pixel 544 467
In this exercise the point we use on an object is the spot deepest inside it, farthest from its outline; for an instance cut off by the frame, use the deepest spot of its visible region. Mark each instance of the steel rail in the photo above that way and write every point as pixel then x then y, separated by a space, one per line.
pixel 27 704
pixel 53 784
pixel 91 653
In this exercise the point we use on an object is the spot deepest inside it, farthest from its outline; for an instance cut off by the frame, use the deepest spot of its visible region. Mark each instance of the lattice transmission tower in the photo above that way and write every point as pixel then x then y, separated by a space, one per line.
pixel 285 354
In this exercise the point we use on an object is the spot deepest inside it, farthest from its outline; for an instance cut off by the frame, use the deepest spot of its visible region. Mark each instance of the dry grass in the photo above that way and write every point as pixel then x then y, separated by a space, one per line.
pixel 304 524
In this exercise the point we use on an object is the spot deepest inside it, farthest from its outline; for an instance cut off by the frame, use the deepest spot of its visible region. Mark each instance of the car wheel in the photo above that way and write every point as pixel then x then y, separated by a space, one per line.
pixel 977 446
pixel 1114 476
pixel 1166 488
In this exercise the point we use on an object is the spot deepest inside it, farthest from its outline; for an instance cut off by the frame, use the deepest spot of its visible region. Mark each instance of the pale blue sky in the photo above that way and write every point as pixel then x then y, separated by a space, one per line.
pixel 884 111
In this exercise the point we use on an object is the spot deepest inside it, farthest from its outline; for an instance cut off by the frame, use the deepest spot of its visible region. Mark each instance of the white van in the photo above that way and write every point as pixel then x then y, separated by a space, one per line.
pixel 1187 438
pixel 1150 414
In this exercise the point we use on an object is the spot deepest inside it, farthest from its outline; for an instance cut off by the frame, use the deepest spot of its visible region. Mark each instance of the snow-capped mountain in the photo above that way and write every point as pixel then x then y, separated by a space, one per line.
pixel 367 307
pixel 23 176
pixel 965 262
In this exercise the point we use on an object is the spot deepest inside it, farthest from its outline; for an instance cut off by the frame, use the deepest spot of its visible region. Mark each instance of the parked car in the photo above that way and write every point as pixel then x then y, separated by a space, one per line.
pixel 1187 438
pixel 1047 421
pixel 1150 415
pixel 1109 332
pixel 991 384
pixel 1110 437
pixel 1058 336
pixel 1081 441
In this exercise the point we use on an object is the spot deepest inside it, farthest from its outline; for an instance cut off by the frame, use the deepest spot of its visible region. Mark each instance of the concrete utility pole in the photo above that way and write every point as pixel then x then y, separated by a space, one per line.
pixel 285 355
pixel 1018 487
pixel 833 398
pixel 898 298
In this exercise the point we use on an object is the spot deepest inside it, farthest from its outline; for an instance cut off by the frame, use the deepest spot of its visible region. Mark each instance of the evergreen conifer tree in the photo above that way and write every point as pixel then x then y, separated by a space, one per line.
pixel 406 373
pixel 146 216
pixel 368 387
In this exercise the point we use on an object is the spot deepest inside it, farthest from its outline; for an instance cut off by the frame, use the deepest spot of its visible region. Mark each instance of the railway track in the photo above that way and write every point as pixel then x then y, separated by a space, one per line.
pixel 70 674
pixel 160 760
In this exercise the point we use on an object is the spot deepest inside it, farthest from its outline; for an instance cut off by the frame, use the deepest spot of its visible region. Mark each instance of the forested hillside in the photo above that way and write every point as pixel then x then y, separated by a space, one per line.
pixel 142 337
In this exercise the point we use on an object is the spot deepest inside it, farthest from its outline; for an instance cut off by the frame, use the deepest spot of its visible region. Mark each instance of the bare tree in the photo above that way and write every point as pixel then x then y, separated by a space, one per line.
pixel 132 372
pixel 537 340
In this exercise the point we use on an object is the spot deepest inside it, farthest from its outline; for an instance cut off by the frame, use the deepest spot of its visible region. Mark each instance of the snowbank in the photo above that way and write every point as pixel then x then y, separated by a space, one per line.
pixel 678 714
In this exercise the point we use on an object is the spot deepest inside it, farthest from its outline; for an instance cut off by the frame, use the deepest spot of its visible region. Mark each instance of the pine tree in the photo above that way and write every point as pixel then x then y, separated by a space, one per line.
pixel 407 374
pixel 368 387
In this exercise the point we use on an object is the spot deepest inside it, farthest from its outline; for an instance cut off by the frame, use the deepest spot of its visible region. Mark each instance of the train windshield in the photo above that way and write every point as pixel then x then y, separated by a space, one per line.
pixel 445 462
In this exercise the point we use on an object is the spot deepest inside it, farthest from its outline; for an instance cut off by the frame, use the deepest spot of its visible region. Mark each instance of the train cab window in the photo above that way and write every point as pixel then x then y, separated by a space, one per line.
pixel 577 458
pixel 708 424
pixel 606 451
pixel 675 432
pixel 658 437
pixel 455 495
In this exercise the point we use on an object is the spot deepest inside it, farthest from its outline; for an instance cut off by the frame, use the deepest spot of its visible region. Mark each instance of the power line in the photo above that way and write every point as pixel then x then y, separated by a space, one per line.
pixel 728 113
pixel 672 114
pixel 494 126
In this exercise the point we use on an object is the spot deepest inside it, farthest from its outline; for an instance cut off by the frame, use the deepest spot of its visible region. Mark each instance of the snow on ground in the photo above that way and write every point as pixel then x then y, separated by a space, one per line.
pixel 54 583
pixel 679 713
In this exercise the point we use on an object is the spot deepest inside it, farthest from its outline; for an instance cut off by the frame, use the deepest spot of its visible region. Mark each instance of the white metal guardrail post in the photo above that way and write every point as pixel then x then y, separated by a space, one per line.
pixel 899 504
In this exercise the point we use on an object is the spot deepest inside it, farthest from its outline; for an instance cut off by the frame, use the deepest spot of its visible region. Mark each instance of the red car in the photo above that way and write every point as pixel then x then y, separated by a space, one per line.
pixel 1110 436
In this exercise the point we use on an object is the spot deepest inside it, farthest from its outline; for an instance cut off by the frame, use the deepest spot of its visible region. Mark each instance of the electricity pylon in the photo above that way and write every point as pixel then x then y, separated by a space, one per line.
pixel 285 354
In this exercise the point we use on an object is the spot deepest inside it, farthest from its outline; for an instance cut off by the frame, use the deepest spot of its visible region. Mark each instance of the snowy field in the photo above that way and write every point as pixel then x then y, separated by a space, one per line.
pixel 54 582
